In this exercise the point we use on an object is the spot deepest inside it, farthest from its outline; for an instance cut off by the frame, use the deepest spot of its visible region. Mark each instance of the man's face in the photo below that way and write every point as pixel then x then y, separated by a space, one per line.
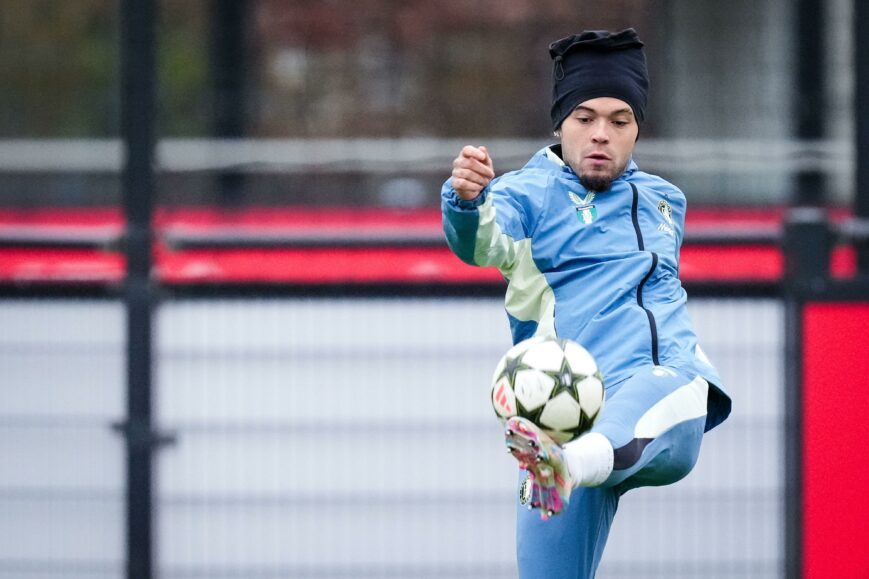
pixel 597 140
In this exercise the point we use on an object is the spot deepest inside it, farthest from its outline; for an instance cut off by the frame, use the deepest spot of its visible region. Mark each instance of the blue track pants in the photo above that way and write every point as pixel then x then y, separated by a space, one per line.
pixel 655 422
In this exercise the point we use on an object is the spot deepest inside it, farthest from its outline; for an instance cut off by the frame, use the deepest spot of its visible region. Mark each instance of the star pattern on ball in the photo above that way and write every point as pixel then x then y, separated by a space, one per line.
pixel 511 365
pixel 564 379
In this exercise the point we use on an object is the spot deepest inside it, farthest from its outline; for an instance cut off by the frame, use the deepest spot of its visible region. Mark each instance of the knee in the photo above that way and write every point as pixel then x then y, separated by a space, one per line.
pixel 678 463
pixel 683 452
pixel 666 459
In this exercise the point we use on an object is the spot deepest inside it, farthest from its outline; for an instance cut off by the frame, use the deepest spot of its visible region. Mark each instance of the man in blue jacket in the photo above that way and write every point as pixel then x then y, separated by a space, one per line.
pixel 590 247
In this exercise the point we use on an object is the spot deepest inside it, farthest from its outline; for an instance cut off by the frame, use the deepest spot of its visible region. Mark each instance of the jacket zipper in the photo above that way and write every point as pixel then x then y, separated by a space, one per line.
pixel 653 327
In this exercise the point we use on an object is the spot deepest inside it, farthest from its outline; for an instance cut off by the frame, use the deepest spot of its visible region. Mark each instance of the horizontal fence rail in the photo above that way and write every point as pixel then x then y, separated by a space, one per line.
pixel 182 237
pixel 386 156
pixel 724 248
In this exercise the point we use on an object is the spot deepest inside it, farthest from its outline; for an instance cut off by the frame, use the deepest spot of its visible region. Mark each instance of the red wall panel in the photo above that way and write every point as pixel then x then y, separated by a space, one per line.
pixel 835 441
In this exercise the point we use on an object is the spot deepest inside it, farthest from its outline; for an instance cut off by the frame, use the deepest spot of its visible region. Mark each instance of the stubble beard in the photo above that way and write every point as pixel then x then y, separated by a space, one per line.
pixel 600 183
pixel 596 183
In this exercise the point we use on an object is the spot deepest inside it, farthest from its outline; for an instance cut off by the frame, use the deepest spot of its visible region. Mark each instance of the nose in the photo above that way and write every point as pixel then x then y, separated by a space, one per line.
pixel 600 134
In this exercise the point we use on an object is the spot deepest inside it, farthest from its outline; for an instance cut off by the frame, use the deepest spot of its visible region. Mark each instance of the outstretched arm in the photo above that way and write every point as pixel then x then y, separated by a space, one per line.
pixel 483 220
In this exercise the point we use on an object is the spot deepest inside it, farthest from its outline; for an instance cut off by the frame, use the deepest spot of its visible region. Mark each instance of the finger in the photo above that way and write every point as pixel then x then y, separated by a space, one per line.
pixel 488 159
pixel 485 169
pixel 465 188
pixel 472 176
pixel 474 153
pixel 475 166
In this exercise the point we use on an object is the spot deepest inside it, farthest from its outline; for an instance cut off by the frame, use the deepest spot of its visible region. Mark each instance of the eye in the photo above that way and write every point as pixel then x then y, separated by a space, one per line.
pixel 621 124
pixel 584 120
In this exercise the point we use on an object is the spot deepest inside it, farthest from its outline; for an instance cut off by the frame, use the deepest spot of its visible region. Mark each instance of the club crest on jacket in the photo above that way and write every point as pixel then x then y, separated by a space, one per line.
pixel 585 211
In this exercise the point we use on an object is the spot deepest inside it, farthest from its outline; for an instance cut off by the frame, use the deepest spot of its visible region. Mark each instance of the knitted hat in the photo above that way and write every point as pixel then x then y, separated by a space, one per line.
pixel 598 63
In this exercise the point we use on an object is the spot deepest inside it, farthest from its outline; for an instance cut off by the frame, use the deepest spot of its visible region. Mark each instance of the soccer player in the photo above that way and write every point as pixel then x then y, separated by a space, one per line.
pixel 589 245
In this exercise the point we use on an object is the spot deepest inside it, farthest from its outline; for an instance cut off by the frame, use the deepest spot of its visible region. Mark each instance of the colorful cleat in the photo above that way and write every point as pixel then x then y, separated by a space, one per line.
pixel 549 479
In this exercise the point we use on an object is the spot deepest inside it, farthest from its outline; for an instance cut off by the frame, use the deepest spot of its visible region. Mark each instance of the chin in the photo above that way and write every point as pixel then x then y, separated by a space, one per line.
pixel 597 182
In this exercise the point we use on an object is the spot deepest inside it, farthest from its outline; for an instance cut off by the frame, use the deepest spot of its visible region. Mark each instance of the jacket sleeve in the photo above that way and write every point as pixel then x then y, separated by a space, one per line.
pixel 487 230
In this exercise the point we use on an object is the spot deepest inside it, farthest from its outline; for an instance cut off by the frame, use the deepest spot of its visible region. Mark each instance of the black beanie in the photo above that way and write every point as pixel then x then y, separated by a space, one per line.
pixel 594 64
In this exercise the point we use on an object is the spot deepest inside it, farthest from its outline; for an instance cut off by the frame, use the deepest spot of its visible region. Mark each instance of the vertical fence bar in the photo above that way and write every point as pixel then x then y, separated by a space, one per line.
pixel 809 96
pixel 138 79
pixel 861 120
pixel 228 63
pixel 793 448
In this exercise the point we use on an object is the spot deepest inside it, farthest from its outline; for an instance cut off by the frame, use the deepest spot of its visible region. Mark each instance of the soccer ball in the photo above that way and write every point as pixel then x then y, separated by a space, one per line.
pixel 553 382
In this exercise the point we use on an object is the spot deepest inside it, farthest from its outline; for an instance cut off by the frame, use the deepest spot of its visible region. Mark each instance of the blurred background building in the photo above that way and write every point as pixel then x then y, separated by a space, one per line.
pixel 418 78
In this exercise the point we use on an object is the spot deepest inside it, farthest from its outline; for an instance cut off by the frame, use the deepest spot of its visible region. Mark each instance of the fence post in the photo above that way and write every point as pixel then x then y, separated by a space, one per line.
pixel 807 248
pixel 809 109
pixel 228 50
pixel 138 88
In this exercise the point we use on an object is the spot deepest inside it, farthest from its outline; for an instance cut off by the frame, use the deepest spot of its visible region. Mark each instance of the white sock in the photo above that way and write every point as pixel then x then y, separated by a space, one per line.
pixel 589 459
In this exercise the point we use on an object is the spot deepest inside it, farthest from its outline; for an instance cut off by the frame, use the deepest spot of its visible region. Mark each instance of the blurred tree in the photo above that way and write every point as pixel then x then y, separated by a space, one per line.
pixel 392 68
pixel 58 68
pixel 182 53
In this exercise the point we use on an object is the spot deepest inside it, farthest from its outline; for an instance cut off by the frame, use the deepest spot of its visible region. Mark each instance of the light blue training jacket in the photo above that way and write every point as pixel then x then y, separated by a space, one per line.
pixel 600 269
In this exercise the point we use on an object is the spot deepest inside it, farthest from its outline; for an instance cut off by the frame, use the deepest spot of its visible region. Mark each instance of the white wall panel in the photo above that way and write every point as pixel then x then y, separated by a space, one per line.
pixel 345 438
pixel 306 425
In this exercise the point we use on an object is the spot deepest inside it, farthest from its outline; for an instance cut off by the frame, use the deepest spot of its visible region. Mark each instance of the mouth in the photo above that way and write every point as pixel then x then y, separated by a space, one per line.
pixel 598 157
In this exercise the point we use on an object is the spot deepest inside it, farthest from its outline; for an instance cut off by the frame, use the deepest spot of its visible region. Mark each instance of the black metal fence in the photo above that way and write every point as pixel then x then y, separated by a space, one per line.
pixel 346 433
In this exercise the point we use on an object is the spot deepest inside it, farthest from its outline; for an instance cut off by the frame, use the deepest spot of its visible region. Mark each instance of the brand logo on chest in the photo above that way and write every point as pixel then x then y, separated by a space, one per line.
pixel 667 212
